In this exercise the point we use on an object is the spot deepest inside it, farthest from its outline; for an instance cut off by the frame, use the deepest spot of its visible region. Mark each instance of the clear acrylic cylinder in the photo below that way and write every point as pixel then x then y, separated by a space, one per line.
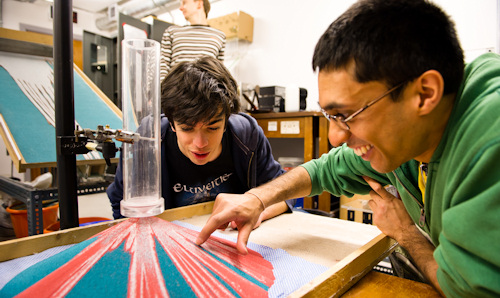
pixel 141 161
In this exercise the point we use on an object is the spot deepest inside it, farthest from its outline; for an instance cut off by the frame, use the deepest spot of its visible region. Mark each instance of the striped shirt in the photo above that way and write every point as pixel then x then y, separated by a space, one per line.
pixel 186 43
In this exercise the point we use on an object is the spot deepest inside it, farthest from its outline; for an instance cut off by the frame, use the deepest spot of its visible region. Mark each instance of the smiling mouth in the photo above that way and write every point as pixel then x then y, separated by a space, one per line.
pixel 360 151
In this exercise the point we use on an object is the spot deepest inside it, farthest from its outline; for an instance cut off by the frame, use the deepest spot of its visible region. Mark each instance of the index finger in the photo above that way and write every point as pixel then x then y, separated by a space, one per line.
pixel 211 225
pixel 378 188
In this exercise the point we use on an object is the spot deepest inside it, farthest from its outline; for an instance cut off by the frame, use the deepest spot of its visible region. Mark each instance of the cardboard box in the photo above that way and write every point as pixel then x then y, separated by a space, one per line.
pixel 356 209
pixel 235 25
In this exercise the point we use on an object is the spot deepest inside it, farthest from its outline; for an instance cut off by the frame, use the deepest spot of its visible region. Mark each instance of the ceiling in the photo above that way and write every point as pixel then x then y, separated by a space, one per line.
pixel 134 8
pixel 94 5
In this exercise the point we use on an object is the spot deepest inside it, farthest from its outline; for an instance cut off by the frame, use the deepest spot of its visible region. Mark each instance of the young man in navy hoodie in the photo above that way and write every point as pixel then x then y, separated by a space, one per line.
pixel 207 147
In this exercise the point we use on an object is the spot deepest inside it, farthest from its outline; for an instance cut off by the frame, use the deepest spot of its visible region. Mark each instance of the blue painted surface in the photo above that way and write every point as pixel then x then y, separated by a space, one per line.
pixel 34 136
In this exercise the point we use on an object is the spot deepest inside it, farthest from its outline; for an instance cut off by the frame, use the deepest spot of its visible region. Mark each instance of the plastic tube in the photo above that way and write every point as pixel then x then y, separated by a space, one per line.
pixel 141 114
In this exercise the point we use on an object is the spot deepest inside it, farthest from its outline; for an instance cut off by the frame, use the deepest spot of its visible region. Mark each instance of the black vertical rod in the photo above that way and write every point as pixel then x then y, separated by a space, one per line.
pixel 65 111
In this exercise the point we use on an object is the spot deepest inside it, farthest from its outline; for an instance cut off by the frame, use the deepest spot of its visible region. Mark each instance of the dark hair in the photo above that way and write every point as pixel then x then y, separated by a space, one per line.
pixel 392 41
pixel 206 7
pixel 197 91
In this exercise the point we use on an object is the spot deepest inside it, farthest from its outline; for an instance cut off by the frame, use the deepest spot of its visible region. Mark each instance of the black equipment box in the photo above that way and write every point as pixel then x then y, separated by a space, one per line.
pixel 273 99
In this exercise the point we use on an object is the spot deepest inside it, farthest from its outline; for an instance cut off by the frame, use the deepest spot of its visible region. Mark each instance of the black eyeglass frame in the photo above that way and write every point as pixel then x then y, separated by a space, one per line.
pixel 341 121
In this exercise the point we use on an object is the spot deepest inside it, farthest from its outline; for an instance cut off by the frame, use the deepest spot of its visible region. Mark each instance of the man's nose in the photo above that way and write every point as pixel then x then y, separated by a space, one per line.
pixel 336 135
pixel 200 140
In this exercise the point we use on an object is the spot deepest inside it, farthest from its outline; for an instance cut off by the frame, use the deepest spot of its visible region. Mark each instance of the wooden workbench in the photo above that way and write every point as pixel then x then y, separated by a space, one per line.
pixel 381 285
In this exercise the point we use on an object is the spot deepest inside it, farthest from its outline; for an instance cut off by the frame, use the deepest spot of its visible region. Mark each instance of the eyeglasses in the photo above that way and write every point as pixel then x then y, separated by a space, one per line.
pixel 341 120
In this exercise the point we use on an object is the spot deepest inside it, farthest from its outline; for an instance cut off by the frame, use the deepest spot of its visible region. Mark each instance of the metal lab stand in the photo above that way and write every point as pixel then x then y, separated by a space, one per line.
pixel 33 199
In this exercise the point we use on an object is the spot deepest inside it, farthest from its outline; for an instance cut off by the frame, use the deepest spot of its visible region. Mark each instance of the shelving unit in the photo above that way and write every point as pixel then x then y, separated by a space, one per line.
pixel 33 198
pixel 303 125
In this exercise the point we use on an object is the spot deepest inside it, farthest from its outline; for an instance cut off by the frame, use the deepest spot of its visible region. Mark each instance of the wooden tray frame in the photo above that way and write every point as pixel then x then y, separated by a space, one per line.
pixel 332 283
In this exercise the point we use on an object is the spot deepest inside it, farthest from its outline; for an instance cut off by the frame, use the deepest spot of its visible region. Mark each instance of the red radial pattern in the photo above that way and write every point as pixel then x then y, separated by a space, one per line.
pixel 214 269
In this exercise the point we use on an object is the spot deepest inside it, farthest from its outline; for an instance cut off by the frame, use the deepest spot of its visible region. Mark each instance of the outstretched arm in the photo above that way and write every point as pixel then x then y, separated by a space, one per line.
pixel 244 210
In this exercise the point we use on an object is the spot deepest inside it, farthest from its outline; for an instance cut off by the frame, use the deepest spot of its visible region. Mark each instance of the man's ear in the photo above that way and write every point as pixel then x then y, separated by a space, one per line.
pixel 172 127
pixel 430 87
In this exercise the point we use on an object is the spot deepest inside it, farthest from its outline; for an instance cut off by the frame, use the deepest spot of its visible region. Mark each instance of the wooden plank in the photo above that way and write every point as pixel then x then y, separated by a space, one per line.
pixel 44 39
pixel 308 203
pixel 16 248
pixel 273 115
pixel 26 36
pixel 324 145
pixel 24 47
pixel 187 211
pixel 309 142
pixel 11 145
pixel 324 201
pixel 78 53
pixel 380 285
pixel 309 153
pixel 338 279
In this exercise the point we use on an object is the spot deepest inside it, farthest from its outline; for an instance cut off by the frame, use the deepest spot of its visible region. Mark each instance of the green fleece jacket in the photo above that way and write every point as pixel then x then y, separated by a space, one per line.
pixel 462 206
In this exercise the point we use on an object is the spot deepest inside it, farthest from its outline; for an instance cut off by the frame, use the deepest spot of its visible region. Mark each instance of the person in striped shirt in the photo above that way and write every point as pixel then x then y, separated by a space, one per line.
pixel 187 43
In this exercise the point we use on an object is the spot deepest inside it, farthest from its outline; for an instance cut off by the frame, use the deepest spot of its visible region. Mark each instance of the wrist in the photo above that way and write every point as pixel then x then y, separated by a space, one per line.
pixel 408 236
pixel 258 198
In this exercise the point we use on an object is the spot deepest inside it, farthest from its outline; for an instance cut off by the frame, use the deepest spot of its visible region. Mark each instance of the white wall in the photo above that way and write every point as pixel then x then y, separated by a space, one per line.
pixel 477 24
pixel 285 34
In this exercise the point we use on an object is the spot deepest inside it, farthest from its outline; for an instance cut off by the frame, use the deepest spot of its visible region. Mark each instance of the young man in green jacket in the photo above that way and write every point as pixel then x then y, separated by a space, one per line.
pixel 405 111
